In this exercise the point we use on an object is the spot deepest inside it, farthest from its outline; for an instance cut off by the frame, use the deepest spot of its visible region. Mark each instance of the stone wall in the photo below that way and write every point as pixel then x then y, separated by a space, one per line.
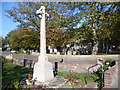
pixel 111 77
pixel 78 63
pixel 91 85
pixel 69 62
pixel 24 63
pixel 90 59
pixel 57 66
pixel 76 67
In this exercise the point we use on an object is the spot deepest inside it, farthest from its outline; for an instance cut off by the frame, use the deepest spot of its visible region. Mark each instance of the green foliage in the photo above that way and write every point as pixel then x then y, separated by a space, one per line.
pixel 105 68
pixel 72 76
pixel 2 58
pixel 10 60
pixel 16 83
pixel 99 23
pixel 1 41
pixel 111 62
pixel 85 33
pixel 25 14
pixel 23 38
pixel 19 52
pixel 68 22
pixel 77 79
pixel 62 74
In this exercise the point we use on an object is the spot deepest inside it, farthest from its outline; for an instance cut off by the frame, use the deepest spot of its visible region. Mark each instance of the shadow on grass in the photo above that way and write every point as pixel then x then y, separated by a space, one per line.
pixel 12 72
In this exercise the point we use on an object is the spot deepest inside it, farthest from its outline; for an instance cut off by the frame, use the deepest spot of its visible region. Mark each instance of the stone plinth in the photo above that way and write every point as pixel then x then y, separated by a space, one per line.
pixel 56 82
pixel 43 71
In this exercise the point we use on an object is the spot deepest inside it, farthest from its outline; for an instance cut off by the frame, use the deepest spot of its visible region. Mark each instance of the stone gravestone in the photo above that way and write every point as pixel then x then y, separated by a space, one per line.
pixel 51 50
pixel 43 70
pixel 55 50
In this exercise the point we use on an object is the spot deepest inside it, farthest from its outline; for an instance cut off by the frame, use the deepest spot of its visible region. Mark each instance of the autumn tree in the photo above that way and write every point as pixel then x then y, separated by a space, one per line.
pixel 25 14
pixel 23 38
pixel 95 16
pixel 113 24
pixel 1 41
pixel 70 21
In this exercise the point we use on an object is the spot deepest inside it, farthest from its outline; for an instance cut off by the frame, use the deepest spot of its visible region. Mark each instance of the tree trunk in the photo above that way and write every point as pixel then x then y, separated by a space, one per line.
pixel 95 48
pixel 107 48
pixel 94 26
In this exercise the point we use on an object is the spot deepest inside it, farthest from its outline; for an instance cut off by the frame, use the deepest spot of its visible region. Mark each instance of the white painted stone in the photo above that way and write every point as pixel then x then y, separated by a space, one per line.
pixel 51 51
pixel 43 70
pixel 55 50
pixel 24 51
pixel 49 47
pixel 58 53
pixel 69 53
pixel 9 56
pixel 68 45
pixel 74 52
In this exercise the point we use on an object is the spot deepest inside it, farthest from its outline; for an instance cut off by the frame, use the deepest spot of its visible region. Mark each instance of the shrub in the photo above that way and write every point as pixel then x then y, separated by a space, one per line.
pixel 111 62
pixel 72 78
pixel 16 83
pixel 3 59
pixel 10 61
pixel 108 63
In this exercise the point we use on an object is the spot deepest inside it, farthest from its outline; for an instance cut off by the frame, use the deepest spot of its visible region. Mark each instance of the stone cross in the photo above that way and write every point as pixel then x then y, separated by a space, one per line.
pixel 43 70
pixel 41 13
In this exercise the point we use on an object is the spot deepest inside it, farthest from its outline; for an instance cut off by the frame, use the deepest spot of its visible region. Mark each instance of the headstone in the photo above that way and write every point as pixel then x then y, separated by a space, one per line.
pixel 49 47
pixel 69 53
pixel 43 70
pixel 74 52
pixel 51 50
pixel 55 50
pixel 58 53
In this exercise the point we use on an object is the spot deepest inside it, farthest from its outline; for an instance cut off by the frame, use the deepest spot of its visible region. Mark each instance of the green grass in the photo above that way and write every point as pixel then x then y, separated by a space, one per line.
pixel 12 72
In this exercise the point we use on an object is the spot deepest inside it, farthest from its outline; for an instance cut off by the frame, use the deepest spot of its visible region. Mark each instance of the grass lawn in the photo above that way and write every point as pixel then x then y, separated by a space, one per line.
pixel 12 73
